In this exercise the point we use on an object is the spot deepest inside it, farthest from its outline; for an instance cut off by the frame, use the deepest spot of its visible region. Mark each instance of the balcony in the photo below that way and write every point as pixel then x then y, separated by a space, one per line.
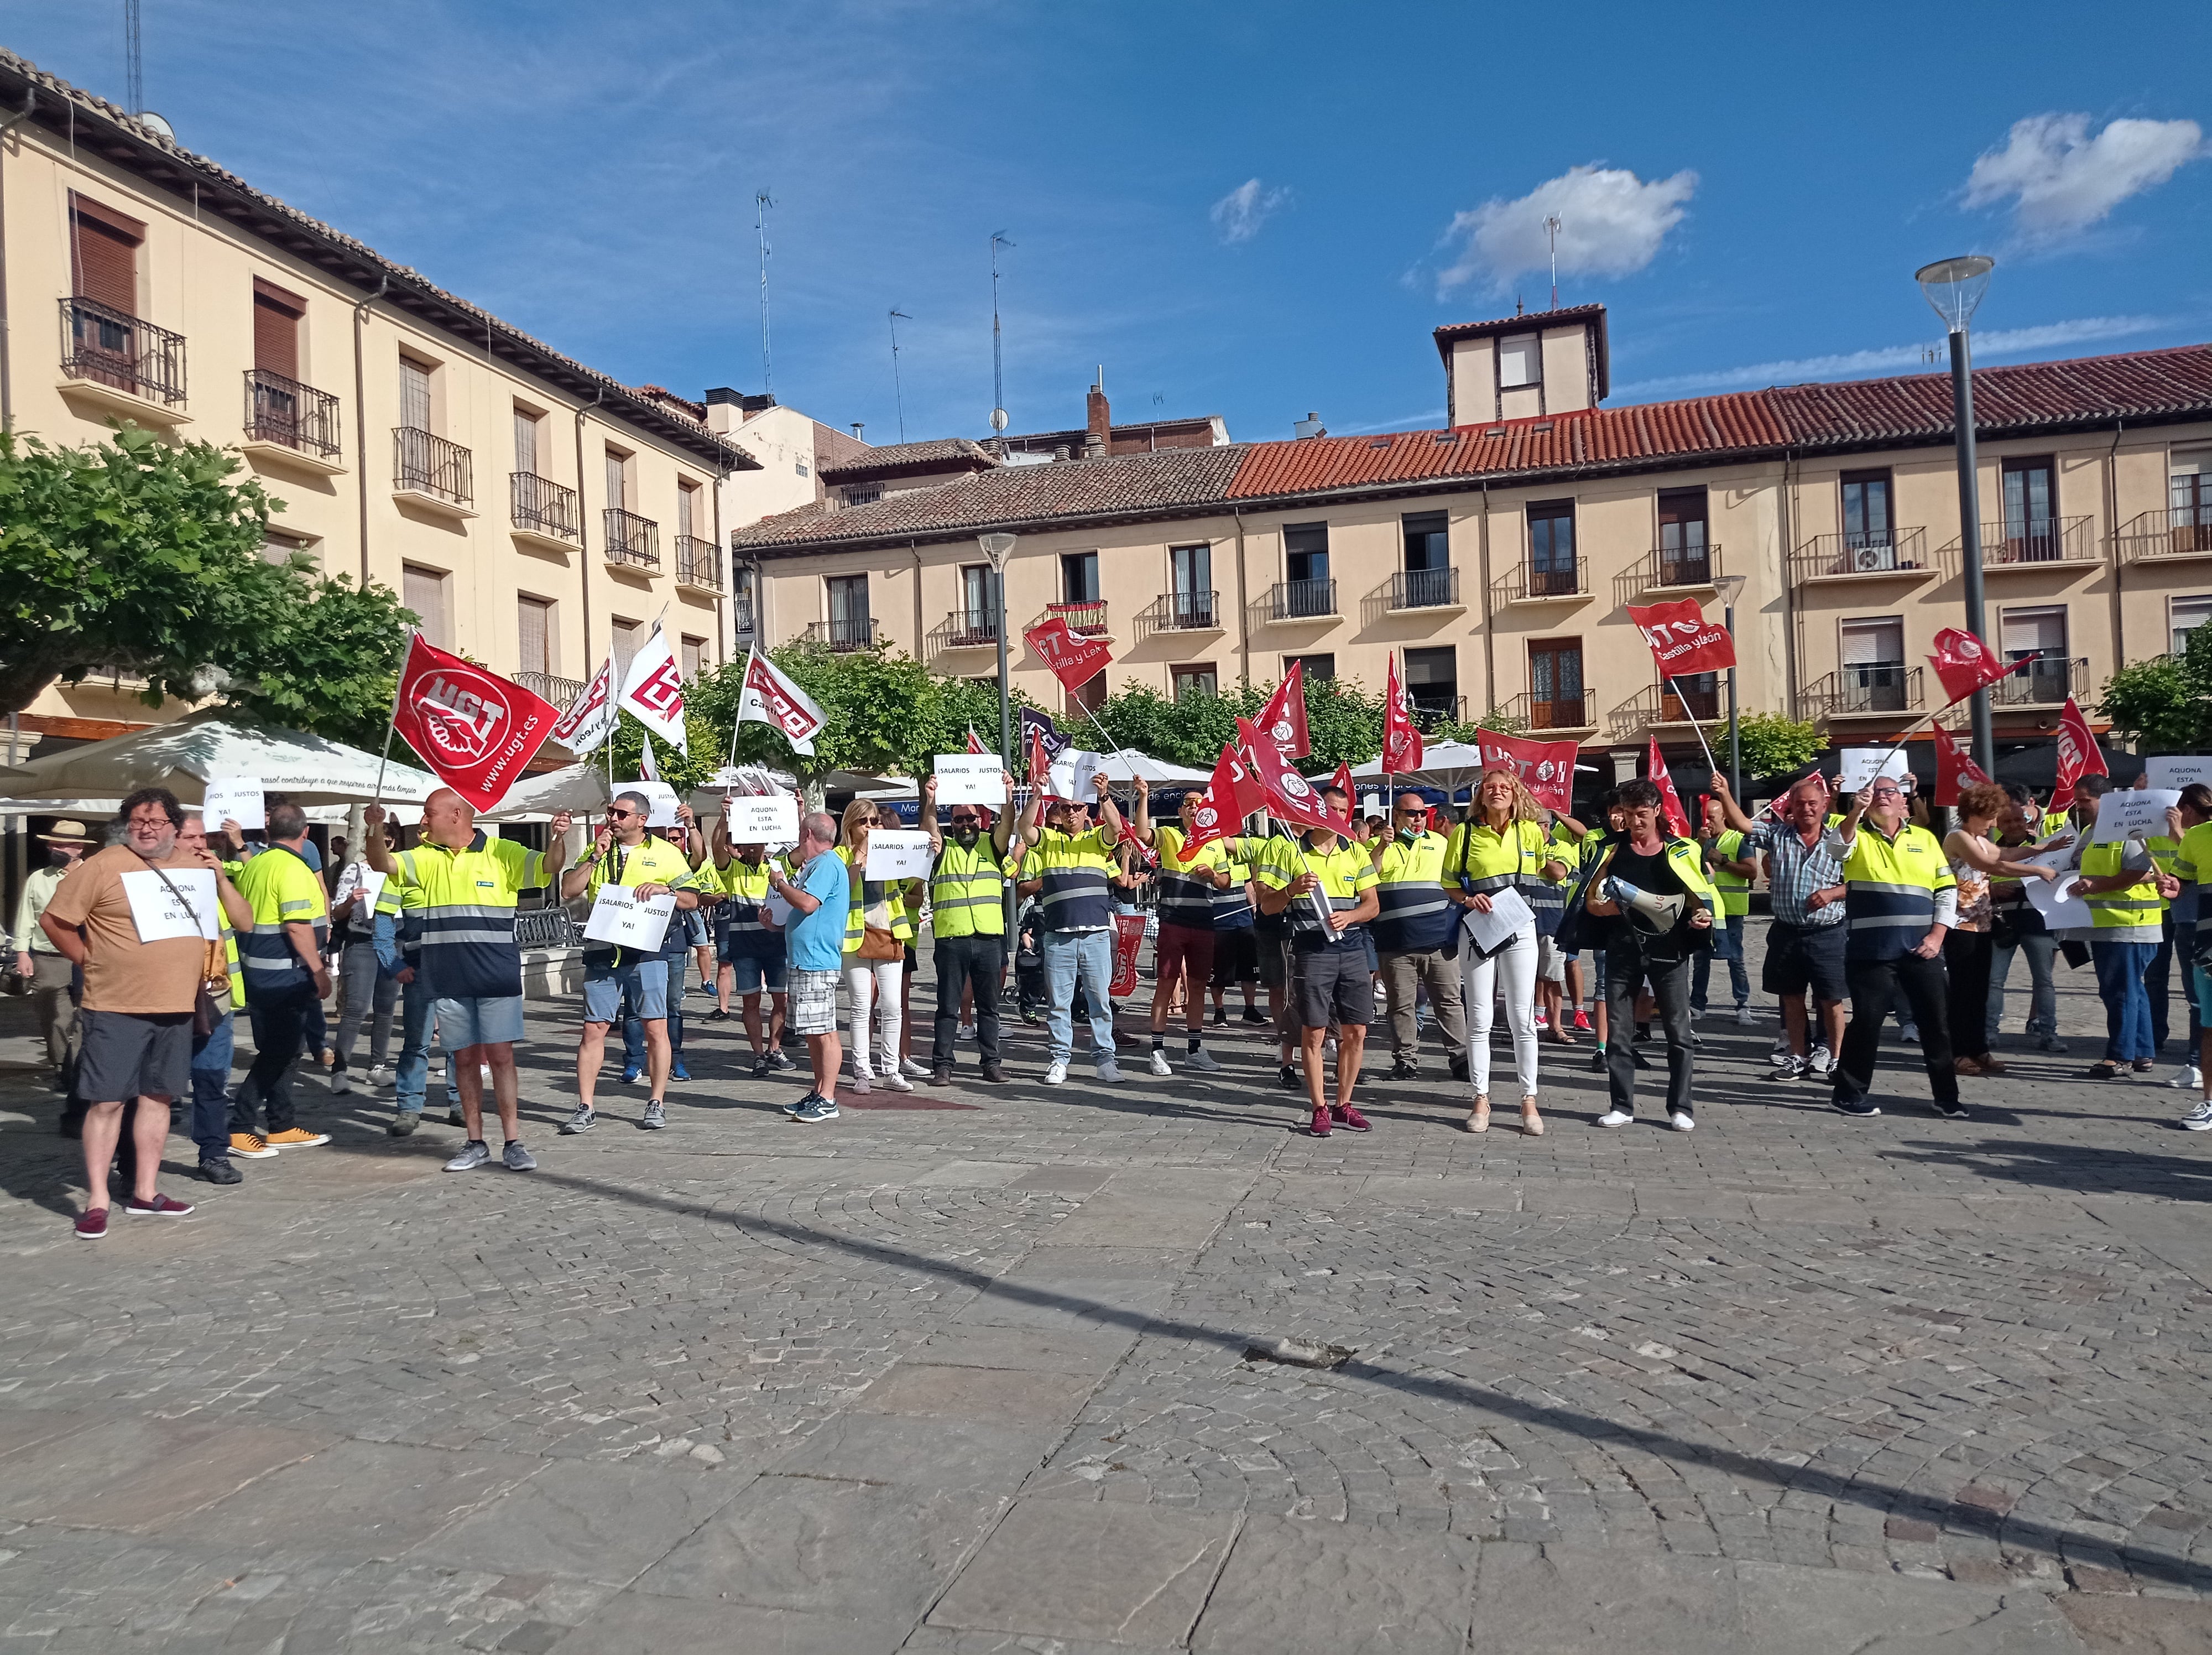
pixel 2038 544
pixel 844 637
pixel 1572 715
pixel 965 628
pixel 2177 534
pixel 543 511
pixel 1288 602
pixel 1689 703
pixel 1424 588
pixel 290 422
pixel 431 472
pixel 127 368
pixel 1899 557
pixel 2042 682
pixel 1430 711
pixel 698 565
pixel 1671 571
pixel 1876 690
pixel 558 691
pixel 1181 613
pixel 633 542
pixel 1087 617
pixel 1556 583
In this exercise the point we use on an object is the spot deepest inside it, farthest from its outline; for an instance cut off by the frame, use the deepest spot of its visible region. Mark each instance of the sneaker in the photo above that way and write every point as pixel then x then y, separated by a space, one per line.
pixel 1791 1069
pixel 403 1124
pixel 1288 1080
pixel 380 1076
pixel 339 1084
pixel 454 1116
pixel 862 1085
pixel 779 1060
pixel 1821 1064
pixel 474 1154
pixel 1682 1121
pixel 1954 1111
pixel 1055 1074
pixel 2188 1078
pixel 1348 1117
pixel 913 1070
pixel 1697 1014
pixel 2051 1044
pixel 1582 1022
pixel 297 1137
pixel 583 1120
pixel 1543 1021
pixel 161 1207
pixel 1857 1107
pixel 817 1109
pixel 762 1067
pixel 677 1072
pixel 1457 1066
pixel 1319 1126
pixel 631 1076
pixel 1220 1017
pixel 1746 1017
pixel 1910 1032
pixel 655 1116
pixel 719 1014
pixel 1637 1057
pixel 251 1145
pixel 2199 1119
pixel 941 1075
pixel 1202 1061
pixel 516 1159
pixel 92 1224
pixel 1615 1117
pixel 898 1082
pixel 1598 1059
pixel 798 1103
pixel 1780 1056
pixel 219 1170
pixel 1253 1014
pixel 1159 1064
pixel 1402 1069
pixel 1109 1072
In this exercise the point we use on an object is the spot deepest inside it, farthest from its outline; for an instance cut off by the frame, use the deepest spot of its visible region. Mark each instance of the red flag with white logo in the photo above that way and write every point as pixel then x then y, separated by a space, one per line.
pixel 1233 795
pixel 1966 664
pixel 1955 769
pixel 2079 755
pixel 1402 749
pixel 1074 662
pixel 1670 802
pixel 652 691
pixel 976 742
pixel 1291 798
pixel 1682 639
pixel 771 697
pixel 478 731
pixel 1547 768
pixel 592 716
pixel 1283 720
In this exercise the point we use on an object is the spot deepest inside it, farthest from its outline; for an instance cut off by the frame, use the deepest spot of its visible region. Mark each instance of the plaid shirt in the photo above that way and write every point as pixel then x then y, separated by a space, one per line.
pixel 1795 872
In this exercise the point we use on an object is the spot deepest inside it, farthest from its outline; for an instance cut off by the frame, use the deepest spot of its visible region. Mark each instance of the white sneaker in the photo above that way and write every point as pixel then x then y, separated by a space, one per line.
pixel 2187 1077
pixel 1821 1064
pixel 339 1083
pixel 1160 1064
pixel 1543 1020
pixel 1056 1074
pixel 1911 1032
pixel 1781 1056
pixel 380 1076
pixel 1683 1120
pixel 1202 1061
pixel 898 1082
pixel 1110 1072
pixel 915 1069
pixel 1697 1014
pixel 483 1073
pixel 2199 1119
pixel 1615 1117
pixel 1746 1017
pixel 860 1087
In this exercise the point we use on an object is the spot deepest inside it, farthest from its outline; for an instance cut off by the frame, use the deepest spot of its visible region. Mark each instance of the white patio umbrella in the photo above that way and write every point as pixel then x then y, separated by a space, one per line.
pixel 309 770
pixel 1122 768
pixel 580 789
pixel 1446 765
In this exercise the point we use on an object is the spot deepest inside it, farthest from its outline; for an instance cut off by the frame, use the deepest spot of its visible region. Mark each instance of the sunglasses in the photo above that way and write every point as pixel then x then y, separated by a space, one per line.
pixel 619 815
pixel 967 821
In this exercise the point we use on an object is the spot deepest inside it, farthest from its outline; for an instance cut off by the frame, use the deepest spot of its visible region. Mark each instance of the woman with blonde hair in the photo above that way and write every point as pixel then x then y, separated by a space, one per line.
pixel 1502 845
pixel 878 925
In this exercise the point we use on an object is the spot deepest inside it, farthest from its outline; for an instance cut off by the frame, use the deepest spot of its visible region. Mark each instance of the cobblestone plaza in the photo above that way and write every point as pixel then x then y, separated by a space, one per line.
pixel 1138 1367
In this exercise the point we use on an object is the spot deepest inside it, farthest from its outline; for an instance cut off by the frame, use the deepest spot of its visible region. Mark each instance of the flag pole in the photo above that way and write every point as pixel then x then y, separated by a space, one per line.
pixel 392 725
pixel 1712 763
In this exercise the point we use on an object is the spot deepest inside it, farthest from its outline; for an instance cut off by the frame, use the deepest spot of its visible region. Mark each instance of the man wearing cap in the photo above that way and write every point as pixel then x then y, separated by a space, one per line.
pixel 38 961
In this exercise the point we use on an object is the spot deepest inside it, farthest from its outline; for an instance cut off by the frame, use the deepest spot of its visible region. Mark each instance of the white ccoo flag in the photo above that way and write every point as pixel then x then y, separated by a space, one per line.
pixel 652 691
pixel 771 697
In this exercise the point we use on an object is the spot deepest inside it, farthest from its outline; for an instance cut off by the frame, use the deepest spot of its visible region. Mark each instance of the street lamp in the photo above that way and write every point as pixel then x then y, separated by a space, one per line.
pixel 997 548
pixel 1953 287
pixel 1731 588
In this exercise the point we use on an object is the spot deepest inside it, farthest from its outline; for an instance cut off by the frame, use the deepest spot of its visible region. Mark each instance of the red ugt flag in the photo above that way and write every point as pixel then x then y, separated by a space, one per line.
pixel 1966 664
pixel 1402 748
pixel 1291 798
pixel 1670 802
pixel 2079 755
pixel 1955 769
pixel 1074 662
pixel 1682 639
pixel 1547 768
pixel 1233 795
pixel 475 729
pixel 1283 720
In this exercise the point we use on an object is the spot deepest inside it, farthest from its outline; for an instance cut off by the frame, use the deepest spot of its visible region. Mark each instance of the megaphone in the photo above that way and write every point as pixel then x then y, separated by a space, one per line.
pixel 1649 911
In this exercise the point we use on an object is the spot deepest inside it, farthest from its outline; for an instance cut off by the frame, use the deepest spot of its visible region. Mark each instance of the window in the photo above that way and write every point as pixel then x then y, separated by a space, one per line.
pixel 1199 680
pixel 1305 553
pixel 1432 681
pixel 526 424
pixel 534 620
pixel 1555 684
pixel 850 626
pixel 415 394
pixel 423 591
pixel 626 640
pixel 1873 653
pixel 1520 361
pixel 618 478
pixel 2189 494
pixel 1190 570
pixel 687 509
pixel 278 547
pixel 2187 614
pixel 1552 570
pixel 745 608
pixel 1867 518
pixel 1317 669
pixel 1690 696
pixel 862 493
pixel 691 652
pixel 276 316
pixel 1428 541
pixel 2031 511
pixel 1092 694
pixel 2040 632
pixel 1685 559
pixel 1079 577
pixel 104 254
pixel 977 619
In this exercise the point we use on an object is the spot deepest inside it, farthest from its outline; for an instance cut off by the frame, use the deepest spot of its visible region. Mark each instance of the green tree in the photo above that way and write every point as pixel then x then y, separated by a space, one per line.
pixel 329 663
pixel 2164 705
pixel 1773 744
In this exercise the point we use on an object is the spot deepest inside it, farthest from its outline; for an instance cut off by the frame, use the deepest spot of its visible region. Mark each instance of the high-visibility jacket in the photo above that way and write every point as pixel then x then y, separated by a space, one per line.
pixel 1478 857
pixel 1078 870
pixel 869 893
pixel 967 891
pixel 650 862
pixel 1894 890
pixel 1186 888
pixel 2136 904
pixel 1232 905
pixel 1683 860
pixel 467 900
pixel 1416 913
pixel 746 884
pixel 1734 888
pixel 2163 854
pixel 284 890
pixel 1345 875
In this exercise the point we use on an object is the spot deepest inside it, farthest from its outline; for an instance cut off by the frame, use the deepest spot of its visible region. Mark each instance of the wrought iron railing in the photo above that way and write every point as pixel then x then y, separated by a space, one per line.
pixel 542 506
pixel 282 410
pixel 965 628
pixel 112 347
pixel 558 691
pixel 1085 616
pixel 741 614
pixel 698 563
pixel 2037 541
pixel 1299 600
pixel 1902 552
pixel 2043 682
pixel 1850 691
pixel 1424 588
pixel 843 637
pixel 1525 582
pixel 2177 531
pixel 1677 566
pixel 631 539
pixel 547 928
pixel 1559 712
pixel 1681 700
pixel 430 465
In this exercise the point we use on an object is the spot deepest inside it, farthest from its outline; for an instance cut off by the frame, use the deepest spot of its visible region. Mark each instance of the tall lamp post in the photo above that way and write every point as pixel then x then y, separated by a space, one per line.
pixel 1731 588
pixel 1953 287
pixel 997 548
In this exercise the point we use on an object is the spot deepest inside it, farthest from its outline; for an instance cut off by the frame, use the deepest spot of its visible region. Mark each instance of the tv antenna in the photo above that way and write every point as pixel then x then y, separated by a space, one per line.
pixel 762 201
pixel 1552 227
pixel 998 361
pixel 898 389
pixel 134 67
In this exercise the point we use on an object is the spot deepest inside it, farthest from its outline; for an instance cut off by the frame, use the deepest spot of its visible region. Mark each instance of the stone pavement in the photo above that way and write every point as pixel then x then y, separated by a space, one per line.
pixel 1004 1369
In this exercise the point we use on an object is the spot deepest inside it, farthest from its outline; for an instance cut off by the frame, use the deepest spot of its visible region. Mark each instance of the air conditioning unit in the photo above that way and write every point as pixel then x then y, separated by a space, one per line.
pixel 1873 560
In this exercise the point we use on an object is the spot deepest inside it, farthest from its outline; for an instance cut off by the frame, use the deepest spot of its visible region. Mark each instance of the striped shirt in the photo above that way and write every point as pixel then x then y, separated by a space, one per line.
pixel 1797 871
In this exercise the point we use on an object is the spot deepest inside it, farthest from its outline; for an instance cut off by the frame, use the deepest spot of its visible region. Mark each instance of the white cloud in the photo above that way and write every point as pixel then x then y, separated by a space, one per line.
pixel 2061 181
pixel 1611 223
pixel 1895 358
pixel 1239 215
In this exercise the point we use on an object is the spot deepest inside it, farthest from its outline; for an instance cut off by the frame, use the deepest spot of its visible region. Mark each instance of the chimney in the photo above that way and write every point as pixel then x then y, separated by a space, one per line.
pixel 1310 426
pixel 1099 440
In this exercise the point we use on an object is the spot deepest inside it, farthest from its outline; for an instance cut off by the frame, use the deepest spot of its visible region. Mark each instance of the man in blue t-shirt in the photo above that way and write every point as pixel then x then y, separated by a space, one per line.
pixel 814 939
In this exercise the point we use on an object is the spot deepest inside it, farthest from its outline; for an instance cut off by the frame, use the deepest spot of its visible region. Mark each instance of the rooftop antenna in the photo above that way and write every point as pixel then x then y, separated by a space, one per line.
pixel 898 389
pixel 1551 229
pixel 134 70
pixel 762 201
pixel 998 361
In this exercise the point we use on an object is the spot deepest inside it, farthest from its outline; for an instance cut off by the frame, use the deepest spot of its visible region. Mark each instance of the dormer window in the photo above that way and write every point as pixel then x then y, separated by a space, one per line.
pixel 1520 361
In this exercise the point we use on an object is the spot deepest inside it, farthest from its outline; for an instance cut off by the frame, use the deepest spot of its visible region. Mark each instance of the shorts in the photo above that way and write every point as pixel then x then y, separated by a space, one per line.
pixel 695 926
pixel 128 1055
pixel 1274 962
pixel 813 1002
pixel 1374 959
pixel 1799 957
pixel 1550 964
pixel 749 973
pixel 645 981
pixel 493 1020
pixel 1332 985
pixel 1184 948
pixel 1236 957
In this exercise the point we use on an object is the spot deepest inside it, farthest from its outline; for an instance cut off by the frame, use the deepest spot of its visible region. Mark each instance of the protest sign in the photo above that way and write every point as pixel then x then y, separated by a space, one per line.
pixel 2060 912
pixel 761 818
pixel 233 798
pixel 1072 773
pixel 970 779
pixel 620 917
pixel 1547 768
pixel 896 854
pixel 160 916
pixel 662 797
pixel 2137 813
pixel 2178 770
pixel 1862 764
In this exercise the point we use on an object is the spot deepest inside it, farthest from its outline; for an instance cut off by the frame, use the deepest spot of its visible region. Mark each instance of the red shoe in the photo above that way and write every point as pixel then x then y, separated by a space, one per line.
pixel 160 1206
pixel 92 1225
pixel 1583 1022
pixel 1348 1117
pixel 1320 1127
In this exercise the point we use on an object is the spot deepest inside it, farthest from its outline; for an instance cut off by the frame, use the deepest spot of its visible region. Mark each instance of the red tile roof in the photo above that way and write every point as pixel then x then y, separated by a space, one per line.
pixel 1531 322
pixel 2088 391
pixel 895 459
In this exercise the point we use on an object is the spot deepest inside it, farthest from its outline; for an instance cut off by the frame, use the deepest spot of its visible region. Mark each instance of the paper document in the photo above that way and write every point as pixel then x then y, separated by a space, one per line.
pixel 970 779
pixel 896 854
pixel 2048 897
pixel 366 893
pixel 664 801
pixel 233 798
pixel 1507 914
pixel 762 819
pixel 619 918
pixel 1862 764
pixel 1072 774
pixel 160 916
pixel 2136 813
pixel 2178 771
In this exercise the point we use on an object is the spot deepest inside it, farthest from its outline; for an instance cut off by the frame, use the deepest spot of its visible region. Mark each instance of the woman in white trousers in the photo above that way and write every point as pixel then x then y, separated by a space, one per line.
pixel 1502 845
pixel 872 985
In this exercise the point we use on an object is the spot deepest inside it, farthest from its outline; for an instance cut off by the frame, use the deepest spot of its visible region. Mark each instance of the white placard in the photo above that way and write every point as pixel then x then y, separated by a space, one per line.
pixel 618 916
pixel 366 893
pixel 896 854
pixel 662 797
pixel 2136 813
pixel 1508 912
pixel 2048 897
pixel 1072 774
pixel 970 779
pixel 1862 764
pixel 233 798
pixel 2178 770
pixel 761 818
pixel 776 910
pixel 160 916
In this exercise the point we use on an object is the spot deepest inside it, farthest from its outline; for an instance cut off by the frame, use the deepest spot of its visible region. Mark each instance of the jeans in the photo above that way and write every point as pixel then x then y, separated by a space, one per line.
pixel 280 1019
pixel 1625 969
pixel 977 963
pixel 211 1054
pixel 1514 967
pixel 52 992
pixel 2120 968
pixel 1087 956
pixel 873 985
pixel 366 995
pixel 413 1079
pixel 2040 947
pixel 1966 963
pixel 2156 977
pixel 1728 944
pixel 1404 976
pixel 1877 985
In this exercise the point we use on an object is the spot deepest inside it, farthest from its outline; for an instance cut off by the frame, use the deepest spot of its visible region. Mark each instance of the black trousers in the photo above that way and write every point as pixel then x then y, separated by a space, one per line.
pixel 279 1035
pixel 1966 964
pixel 1626 966
pixel 977 963
pixel 1876 987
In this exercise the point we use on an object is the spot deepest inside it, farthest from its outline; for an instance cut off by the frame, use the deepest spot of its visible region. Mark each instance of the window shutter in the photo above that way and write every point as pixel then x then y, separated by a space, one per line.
pixel 525 442
pixel 423 591
pixel 414 394
pixel 531 613
pixel 106 263
pixel 276 336
pixel 1874 643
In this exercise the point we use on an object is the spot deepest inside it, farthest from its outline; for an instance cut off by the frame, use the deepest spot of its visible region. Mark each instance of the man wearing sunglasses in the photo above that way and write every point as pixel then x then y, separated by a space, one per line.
pixel 967 908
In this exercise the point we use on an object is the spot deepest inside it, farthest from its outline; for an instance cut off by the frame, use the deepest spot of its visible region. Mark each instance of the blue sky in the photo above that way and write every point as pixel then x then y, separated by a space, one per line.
pixel 1243 210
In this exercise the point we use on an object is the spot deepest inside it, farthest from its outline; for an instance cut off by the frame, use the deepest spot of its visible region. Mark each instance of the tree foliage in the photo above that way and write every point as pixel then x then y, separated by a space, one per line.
pixel 2164 705
pixel 1344 721
pixel 329 662
pixel 1776 745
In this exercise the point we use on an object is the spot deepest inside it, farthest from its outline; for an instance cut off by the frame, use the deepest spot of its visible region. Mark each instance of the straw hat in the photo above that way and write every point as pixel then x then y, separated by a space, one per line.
pixel 67 833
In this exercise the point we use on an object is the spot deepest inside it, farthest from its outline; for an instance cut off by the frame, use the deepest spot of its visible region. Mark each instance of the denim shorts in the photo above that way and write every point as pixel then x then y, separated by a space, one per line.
pixel 493 1020
pixel 646 982
pixel 750 975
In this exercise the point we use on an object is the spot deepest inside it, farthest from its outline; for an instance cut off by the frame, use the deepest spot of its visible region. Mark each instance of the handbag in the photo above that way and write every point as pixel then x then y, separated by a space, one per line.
pixel 878 945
